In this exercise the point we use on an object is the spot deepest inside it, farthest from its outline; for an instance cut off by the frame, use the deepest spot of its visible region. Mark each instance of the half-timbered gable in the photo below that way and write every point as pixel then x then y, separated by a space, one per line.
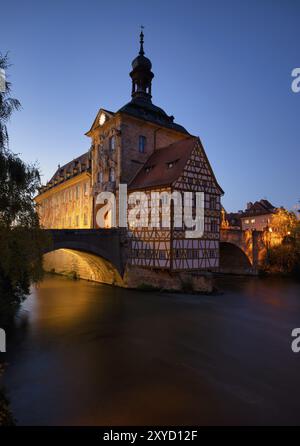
pixel 199 253
pixel 180 167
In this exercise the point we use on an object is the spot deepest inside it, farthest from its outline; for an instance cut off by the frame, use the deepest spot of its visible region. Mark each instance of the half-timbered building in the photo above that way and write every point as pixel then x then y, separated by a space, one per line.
pixel 180 167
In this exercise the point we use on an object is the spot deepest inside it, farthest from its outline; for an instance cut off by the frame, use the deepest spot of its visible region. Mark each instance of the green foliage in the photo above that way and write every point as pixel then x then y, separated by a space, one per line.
pixel 20 265
pixel 21 240
pixel 284 258
pixel 7 106
pixel 18 183
pixel 283 222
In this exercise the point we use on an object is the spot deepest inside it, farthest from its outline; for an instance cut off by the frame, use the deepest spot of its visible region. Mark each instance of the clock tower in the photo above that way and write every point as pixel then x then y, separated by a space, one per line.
pixel 122 141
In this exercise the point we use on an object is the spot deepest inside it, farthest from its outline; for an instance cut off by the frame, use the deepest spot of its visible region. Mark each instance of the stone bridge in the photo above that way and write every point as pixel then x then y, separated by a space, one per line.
pixel 241 251
pixel 101 254
pixel 109 244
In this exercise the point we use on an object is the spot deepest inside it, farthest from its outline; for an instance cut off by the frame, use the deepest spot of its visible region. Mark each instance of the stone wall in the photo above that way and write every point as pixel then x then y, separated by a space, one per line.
pixel 156 137
pixel 144 278
pixel 79 265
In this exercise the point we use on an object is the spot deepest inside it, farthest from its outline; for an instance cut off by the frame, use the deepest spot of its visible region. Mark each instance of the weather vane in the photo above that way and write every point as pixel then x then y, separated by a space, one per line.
pixel 142 41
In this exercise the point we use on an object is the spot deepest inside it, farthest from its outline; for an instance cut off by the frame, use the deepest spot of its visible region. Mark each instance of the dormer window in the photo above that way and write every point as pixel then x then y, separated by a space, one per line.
pixel 171 164
pixel 148 169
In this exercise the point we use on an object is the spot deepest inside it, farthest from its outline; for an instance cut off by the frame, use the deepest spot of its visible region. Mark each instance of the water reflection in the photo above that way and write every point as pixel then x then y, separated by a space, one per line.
pixel 85 353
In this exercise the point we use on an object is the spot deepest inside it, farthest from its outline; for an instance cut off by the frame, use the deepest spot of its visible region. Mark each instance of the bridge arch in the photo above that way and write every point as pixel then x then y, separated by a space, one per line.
pixel 109 245
pixel 81 264
pixel 233 259
pixel 80 247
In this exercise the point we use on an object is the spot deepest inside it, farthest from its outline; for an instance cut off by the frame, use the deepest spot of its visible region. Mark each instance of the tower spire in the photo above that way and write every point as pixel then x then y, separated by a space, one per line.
pixel 141 74
pixel 142 52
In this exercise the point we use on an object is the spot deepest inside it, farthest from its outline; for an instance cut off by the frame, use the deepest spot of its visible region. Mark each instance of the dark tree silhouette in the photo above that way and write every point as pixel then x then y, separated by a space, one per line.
pixel 21 239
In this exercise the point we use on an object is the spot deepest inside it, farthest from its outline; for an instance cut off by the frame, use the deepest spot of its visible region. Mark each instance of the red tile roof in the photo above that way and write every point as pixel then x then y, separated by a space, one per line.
pixel 261 207
pixel 69 170
pixel 156 170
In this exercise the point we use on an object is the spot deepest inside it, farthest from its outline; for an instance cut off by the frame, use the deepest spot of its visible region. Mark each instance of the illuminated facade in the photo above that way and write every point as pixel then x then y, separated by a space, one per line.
pixel 258 216
pixel 141 146
pixel 65 202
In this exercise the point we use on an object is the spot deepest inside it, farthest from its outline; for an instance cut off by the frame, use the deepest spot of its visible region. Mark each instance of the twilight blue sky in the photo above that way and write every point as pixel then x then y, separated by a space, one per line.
pixel 222 68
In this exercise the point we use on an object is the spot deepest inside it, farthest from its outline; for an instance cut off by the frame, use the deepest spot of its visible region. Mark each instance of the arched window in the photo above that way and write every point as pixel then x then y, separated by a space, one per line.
pixel 112 174
pixel 112 143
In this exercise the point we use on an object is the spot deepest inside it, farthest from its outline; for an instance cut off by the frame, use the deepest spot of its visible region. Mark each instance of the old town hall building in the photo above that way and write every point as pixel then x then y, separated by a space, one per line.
pixel 141 146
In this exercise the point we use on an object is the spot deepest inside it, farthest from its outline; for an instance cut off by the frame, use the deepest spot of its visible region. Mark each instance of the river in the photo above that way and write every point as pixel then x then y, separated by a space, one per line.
pixel 84 353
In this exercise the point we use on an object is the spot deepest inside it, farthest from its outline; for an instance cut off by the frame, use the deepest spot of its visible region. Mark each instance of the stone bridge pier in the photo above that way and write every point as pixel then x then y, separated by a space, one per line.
pixel 241 252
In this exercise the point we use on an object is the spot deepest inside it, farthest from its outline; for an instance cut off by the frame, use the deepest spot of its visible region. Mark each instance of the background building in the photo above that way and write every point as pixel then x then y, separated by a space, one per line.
pixel 258 215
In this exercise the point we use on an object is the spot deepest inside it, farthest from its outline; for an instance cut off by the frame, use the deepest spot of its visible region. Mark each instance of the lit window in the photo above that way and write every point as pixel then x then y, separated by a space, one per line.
pixel 142 144
pixel 247 222
pixel 253 220
pixel 85 219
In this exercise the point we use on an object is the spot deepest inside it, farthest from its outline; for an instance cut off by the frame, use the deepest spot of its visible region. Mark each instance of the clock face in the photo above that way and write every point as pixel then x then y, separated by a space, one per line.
pixel 102 119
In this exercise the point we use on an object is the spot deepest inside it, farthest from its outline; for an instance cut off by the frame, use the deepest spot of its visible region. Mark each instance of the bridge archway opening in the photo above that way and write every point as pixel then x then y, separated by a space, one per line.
pixel 82 265
pixel 233 259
